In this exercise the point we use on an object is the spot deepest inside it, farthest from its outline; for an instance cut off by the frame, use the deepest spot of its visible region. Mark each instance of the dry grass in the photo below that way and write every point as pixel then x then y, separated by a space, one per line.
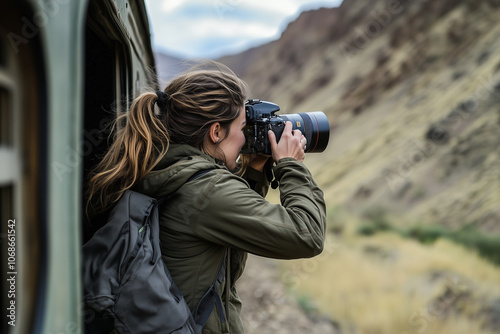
pixel 387 284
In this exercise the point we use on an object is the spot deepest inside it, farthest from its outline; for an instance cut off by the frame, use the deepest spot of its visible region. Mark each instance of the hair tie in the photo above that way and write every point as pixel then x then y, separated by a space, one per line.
pixel 162 100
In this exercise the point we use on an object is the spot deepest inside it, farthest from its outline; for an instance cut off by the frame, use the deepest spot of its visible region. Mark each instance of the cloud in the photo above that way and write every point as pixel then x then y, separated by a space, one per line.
pixel 170 5
pixel 195 28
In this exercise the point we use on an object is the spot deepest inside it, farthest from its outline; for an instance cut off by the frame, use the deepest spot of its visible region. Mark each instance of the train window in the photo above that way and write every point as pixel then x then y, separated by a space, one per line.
pixel 106 88
pixel 99 96
pixel 99 102
pixel 7 180
pixel 121 80
pixel 6 213
pixel 2 55
pixel 22 141
pixel 5 118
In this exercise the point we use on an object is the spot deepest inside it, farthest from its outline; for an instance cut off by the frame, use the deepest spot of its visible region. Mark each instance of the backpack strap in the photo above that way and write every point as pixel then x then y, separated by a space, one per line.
pixel 228 285
pixel 212 298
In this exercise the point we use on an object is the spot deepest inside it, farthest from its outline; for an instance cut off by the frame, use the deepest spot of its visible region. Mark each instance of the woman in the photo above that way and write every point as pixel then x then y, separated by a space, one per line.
pixel 197 124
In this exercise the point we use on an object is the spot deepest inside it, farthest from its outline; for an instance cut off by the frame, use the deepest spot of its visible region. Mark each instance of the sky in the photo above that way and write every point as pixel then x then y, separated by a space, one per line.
pixel 212 28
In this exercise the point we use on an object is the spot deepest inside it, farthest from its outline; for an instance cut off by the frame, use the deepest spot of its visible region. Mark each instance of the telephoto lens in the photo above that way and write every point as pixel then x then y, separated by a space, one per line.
pixel 261 117
pixel 313 125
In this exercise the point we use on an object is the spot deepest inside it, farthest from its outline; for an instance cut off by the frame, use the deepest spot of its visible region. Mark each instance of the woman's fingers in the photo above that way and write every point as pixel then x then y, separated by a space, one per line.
pixel 292 144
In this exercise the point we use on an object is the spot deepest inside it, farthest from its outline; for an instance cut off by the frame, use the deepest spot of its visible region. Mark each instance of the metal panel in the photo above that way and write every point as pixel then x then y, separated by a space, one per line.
pixel 62 38
pixel 9 170
pixel 54 175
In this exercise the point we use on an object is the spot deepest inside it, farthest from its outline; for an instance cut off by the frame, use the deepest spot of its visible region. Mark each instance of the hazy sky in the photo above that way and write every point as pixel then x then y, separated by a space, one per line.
pixel 195 28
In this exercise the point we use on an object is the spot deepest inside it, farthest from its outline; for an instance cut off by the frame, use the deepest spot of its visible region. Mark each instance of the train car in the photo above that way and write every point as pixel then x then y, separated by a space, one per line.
pixel 67 67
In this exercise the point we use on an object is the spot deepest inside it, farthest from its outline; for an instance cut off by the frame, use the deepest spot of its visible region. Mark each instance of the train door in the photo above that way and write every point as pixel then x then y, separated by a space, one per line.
pixel 66 69
pixel 106 89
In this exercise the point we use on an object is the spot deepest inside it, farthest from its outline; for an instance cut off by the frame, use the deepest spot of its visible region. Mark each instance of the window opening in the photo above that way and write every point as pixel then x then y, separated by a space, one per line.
pixel 5 118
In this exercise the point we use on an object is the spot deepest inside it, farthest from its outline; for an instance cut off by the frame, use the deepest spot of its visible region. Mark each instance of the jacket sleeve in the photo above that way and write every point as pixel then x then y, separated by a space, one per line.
pixel 237 216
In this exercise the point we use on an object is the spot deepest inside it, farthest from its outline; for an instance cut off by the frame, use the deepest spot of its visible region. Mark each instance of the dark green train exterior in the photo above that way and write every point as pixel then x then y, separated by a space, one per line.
pixel 66 68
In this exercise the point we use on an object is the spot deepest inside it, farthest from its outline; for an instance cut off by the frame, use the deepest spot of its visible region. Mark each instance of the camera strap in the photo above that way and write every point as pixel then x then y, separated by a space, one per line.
pixel 268 170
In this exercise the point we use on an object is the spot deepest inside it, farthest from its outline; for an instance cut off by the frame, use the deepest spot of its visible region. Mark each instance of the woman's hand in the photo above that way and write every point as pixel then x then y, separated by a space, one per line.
pixel 292 144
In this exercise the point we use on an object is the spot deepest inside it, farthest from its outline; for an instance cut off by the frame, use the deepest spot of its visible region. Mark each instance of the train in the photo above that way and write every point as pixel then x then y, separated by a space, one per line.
pixel 67 68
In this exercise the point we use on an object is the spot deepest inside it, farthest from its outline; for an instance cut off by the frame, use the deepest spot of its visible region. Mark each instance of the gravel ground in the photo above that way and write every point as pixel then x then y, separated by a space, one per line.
pixel 268 309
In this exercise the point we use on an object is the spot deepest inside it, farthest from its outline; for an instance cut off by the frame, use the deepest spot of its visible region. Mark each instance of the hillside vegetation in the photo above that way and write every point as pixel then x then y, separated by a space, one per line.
pixel 411 92
pixel 411 174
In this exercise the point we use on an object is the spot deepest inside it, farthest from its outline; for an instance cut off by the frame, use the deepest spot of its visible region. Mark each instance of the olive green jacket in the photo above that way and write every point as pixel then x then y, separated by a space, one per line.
pixel 220 210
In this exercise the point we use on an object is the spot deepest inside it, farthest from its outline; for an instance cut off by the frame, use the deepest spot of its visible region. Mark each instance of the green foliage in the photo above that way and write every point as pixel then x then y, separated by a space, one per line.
pixel 376 222
pixel 367 229
pixel 487 245
pixel 306 304
pixel 425 234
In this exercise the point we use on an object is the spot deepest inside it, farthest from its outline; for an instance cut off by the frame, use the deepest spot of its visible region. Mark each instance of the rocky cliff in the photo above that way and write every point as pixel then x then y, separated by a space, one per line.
pixel 412 92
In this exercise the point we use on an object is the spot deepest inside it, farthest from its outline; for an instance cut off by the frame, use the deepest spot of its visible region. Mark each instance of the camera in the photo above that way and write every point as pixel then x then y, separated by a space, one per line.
pixel 261 117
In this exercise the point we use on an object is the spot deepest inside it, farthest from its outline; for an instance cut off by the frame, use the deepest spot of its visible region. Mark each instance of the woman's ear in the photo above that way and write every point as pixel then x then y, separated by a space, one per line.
pixel 215 133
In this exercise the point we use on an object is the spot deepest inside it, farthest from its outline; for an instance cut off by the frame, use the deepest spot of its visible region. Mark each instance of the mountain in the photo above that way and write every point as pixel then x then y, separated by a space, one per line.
pixel 168 67
pixel 412 93
pixel 411 175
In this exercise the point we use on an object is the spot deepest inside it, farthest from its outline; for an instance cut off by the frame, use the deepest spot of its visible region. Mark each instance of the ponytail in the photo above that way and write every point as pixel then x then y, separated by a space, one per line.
pixel 194 101
pixel 138 146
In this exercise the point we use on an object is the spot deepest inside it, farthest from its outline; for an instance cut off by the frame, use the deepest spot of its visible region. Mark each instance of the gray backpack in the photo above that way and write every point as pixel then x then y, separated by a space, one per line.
pixel 126 284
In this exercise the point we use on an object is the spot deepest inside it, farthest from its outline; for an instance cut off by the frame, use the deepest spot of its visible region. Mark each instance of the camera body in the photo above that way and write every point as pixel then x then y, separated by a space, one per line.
pixel 261 117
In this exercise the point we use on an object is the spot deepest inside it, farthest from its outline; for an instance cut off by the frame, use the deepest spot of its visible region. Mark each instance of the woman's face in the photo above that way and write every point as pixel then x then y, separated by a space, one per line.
pixel 231 145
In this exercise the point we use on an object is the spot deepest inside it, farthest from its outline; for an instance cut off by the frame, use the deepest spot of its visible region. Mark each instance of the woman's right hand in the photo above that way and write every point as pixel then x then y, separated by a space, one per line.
pixel 292 144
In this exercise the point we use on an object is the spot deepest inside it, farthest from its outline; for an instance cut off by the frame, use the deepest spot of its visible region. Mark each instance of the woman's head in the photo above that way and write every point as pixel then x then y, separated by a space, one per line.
pixel 199 99
pixel 203 108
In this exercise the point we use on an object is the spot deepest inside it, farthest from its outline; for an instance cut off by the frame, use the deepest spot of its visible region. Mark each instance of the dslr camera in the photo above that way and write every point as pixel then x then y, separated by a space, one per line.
pixel 261 117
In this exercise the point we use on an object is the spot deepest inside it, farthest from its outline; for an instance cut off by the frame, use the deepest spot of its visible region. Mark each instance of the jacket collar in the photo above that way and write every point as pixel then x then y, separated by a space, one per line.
pixel 176 167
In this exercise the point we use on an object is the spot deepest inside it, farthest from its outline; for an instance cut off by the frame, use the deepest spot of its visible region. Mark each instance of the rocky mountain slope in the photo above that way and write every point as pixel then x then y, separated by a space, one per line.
pixel 412 92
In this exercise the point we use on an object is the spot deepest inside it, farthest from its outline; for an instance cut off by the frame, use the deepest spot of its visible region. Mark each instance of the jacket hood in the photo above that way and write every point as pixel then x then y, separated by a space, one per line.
pixel 177 166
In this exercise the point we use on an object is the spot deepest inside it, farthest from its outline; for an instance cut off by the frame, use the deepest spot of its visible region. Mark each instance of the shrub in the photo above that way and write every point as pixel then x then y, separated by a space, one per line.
pixel 426 234
pixel 367 229
pixel 376 222
pixel 488 246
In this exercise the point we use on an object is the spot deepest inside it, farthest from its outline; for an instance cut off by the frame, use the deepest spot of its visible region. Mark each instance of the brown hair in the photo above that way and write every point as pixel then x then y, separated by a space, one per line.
pixel 196 100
